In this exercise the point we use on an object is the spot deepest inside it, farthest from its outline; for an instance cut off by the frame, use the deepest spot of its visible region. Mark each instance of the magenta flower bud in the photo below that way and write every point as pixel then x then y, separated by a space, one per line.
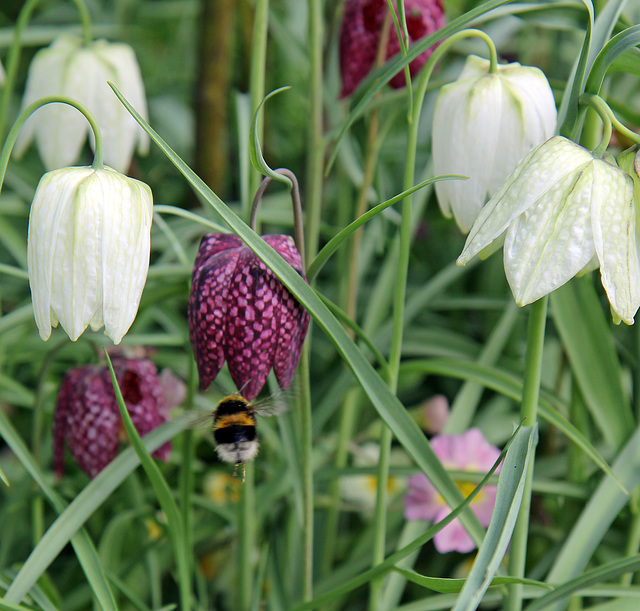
pixel 240 312
pixel 87 413
pixel 360 37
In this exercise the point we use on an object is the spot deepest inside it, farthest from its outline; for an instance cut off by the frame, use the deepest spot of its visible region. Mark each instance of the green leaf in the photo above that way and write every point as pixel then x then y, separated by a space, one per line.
pixel 568 111
pixel 510 386
pixel 334 243
pixel 386 403
pixel 597 516
pixel 163 494
pixel 605 572
pixel 389 564
pixel 83 506
pixel 36 564
pixel 446 585
pixel 513 475
pixel 587 339
pixel 622 43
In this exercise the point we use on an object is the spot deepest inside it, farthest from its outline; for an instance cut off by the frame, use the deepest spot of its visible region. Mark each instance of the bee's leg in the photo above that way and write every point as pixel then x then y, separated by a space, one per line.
pixel 244 471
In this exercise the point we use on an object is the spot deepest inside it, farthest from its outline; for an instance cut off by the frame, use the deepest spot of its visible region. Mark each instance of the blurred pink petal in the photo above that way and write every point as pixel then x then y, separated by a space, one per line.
pixel 467 452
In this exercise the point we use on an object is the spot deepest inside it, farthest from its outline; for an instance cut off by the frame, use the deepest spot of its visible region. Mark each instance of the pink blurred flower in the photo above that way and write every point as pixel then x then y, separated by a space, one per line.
pixel 467 452
pixel 360 37
pixel 88 418
pixel 240 312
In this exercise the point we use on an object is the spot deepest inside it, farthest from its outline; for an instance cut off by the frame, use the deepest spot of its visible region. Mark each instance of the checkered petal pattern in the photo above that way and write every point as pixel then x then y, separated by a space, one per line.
pixel 360 37
pixel 240 312
pixel 88 418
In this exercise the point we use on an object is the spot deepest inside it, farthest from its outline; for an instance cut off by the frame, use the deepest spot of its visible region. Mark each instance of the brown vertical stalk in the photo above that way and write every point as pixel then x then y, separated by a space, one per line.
pixel 212 93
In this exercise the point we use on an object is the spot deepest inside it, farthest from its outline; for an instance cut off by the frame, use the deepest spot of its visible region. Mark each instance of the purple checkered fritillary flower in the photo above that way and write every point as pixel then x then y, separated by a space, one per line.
pixel 360 37
pixel 467 452
pixel 240 312
pixel 88 418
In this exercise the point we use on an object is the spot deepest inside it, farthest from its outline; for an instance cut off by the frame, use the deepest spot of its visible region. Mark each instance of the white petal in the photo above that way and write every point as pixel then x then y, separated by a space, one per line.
pixel 551 241
pixel 46 77
pixel 125 249
pixel 528 118
pixel 538 172
pixel 63 283
pixel 465 137
pixel 125 132
pixel 614 232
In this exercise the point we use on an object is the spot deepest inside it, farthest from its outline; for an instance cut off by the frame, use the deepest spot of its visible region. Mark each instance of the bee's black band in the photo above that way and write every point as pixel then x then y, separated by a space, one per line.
pixel 232 406
pixel 234 434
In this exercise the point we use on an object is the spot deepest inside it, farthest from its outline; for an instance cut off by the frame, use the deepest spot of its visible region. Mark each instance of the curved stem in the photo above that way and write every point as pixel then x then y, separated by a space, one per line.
pixel 297 208
pixel 13 59
pixel 24 115
pixel 609 121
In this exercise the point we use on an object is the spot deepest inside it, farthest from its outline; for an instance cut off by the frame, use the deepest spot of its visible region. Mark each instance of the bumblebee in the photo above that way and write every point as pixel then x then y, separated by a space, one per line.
pixel 234 430
pixel 235 427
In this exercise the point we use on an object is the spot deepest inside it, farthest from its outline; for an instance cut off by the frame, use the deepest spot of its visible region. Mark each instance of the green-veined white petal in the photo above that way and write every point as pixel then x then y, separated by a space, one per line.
pixel 483 124
pixel 88 250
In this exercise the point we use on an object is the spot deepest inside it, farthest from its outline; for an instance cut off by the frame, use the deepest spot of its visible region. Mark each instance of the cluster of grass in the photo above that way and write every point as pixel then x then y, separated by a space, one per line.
pixel 394 322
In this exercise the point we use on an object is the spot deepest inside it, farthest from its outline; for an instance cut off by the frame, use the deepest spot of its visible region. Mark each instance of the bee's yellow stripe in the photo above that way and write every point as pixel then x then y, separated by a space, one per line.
pixel 241 419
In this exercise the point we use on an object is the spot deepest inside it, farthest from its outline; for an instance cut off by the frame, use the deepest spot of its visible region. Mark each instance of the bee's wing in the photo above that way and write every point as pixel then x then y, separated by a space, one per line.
pixel 200 418
pixel 271 406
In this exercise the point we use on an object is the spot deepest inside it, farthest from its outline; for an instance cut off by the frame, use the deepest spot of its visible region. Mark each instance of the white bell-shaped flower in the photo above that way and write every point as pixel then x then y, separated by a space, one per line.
pixel 88 250
pixel 563 211
pixel 483 124
pixel 70 68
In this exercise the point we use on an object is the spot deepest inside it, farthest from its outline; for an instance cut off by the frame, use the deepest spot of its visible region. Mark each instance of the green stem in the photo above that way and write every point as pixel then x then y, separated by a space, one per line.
pixel 306 441
pixel 24 115
pixel 13 59
pixel 395 351
pixel 246 538
pixel 528 412
pixel 609 121
pixel 315 147
pixel 257 74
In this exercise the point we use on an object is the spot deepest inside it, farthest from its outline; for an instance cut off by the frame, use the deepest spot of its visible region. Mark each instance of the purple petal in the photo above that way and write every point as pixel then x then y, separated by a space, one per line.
pixel 294 319
pixel 93 423
pixel 207 311
pixel 251 323
pixel 212 243
pixel 142 392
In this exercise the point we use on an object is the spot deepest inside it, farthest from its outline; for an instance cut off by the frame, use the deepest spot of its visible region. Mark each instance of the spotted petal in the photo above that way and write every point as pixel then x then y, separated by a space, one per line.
pixel 208 306
pixel 614 232
pixel 251 323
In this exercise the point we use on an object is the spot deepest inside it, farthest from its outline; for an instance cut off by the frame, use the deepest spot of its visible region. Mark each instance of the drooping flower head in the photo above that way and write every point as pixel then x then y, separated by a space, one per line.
pixel 88 250
pixel 561 212
pixel 240 312
pixel 467 452
pixel 88 418
pixel 360 37
pixel 483 124
pixel 70 68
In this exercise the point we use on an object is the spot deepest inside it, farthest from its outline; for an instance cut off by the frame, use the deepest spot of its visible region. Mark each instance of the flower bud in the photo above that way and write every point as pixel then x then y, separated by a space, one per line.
pixel 88 250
